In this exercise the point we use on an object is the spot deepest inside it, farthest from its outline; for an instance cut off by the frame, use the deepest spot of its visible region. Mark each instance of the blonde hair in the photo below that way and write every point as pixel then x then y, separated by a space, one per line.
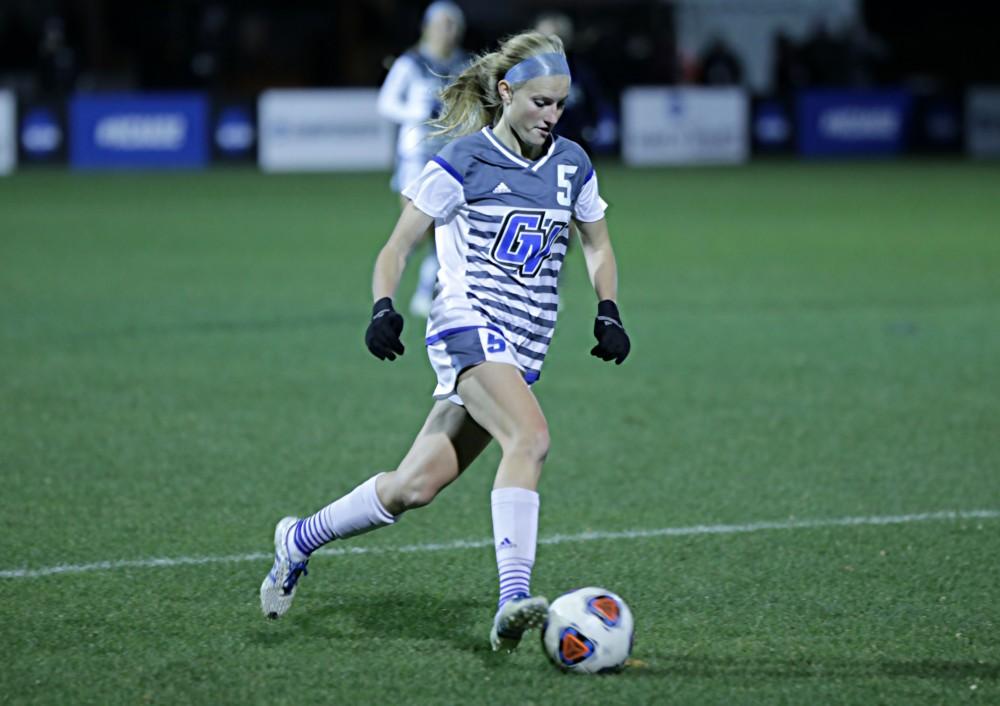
pixel 472 101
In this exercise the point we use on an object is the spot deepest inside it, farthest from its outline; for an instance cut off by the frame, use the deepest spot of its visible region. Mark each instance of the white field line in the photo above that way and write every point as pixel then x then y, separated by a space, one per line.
pixel 480 543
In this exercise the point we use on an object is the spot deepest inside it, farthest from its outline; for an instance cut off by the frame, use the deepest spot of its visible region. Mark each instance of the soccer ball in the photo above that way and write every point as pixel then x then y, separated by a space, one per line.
pixel 588 630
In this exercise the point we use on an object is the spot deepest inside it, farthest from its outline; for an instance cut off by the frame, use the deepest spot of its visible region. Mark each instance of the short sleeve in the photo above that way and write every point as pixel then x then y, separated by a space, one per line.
pixel 438 190
pixel 589 206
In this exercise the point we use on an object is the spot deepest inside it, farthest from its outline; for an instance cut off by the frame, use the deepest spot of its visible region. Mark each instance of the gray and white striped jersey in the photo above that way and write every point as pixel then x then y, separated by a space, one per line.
pixel 501 229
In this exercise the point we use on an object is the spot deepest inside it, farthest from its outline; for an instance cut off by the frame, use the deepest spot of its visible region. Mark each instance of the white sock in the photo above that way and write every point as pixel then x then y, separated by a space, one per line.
pixel 357 512
pixel 515 534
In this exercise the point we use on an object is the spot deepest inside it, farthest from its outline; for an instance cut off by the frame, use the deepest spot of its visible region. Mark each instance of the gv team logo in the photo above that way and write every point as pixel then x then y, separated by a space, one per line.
pixel 523 243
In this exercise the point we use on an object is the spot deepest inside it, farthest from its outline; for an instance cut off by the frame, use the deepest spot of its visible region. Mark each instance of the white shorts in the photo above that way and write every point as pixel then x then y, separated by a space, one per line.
pixel 464 348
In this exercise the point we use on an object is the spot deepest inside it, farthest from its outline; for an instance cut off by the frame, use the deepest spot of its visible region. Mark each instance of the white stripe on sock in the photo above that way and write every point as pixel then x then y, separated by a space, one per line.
pixel 515 533
pixel 357 512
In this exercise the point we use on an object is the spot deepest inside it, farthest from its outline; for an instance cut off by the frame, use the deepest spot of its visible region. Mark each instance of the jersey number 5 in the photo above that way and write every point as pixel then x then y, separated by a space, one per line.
pixel 564 194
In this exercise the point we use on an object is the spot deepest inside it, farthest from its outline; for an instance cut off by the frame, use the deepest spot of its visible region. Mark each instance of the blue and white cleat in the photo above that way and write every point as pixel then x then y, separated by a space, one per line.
pixel 520 613
pixel 278 589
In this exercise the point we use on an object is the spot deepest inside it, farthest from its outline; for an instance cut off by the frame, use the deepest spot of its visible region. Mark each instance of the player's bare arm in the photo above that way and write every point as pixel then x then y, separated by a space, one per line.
pixel 391 261
pixel 612 341
pixel 600 257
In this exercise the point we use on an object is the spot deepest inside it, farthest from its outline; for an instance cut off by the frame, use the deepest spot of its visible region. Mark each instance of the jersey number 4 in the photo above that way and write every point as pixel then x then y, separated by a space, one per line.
pixel 522 245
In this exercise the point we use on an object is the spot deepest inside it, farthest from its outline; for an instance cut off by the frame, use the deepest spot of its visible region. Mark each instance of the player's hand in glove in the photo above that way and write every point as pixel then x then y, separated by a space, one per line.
pixel 382 336
pixel 612 341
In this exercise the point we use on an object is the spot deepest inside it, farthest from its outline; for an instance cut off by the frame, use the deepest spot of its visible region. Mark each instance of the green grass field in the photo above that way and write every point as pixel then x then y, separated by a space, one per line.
pixel 182 364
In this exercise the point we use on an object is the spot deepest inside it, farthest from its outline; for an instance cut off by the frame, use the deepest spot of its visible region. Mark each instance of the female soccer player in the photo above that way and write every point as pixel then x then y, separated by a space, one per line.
pixel 409 97
pixel 501 196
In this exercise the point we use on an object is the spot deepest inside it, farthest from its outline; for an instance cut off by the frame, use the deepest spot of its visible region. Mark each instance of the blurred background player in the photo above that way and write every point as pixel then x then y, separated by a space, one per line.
pixel 409 97
pixel 501 196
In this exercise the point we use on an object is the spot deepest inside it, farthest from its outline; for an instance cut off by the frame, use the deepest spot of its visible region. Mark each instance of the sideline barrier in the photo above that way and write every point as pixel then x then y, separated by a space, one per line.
pixel 982 122
pixel 663 125
pixel 772 126
pixel 339 129
pixel 8 132
pixel 234 131
pixel 323 130
pixel 138 131
pixel 936 124
pixel 852 123
pixel 42 133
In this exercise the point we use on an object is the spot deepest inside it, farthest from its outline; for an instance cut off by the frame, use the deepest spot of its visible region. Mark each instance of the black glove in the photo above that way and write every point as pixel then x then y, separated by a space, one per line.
pixel 612 341
pixel 382 336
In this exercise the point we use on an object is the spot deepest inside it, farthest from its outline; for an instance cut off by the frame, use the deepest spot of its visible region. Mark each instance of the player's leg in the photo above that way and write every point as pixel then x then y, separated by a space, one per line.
pixel 499 400
pixel 497 397
pixel 448 442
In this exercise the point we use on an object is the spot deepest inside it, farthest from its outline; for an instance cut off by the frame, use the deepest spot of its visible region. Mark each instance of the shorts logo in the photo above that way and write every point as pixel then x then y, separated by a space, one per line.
pixel 495 344
pixel 522 245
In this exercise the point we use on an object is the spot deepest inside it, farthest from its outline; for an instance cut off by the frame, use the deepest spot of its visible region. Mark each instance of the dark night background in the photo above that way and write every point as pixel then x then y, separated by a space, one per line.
pixel 50 46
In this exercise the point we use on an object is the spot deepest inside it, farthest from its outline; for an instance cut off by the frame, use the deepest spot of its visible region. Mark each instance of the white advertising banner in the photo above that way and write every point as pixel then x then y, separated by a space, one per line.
pixel 663 125
pixel 982 122
pixel 323 130
pixel 8 133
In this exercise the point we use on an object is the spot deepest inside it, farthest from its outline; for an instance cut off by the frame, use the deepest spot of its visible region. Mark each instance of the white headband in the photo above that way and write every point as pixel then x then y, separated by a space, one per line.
pixel 549 64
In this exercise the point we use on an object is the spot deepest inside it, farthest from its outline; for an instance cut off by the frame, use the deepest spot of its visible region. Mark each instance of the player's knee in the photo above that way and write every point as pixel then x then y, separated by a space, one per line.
pixel 401 492
pixel 532 443
pixel 387 489
pixel 416 497
pixel 418 491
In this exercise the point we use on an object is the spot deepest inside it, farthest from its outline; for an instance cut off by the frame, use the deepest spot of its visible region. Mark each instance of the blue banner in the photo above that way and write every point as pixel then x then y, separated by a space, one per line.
pixel 42 134
pixel 235 132
pixel 852 123
pixel 139 131
pixel 773 129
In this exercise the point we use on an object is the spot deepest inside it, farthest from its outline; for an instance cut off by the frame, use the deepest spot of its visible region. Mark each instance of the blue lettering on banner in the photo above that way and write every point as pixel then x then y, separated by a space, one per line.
pixel 675 104
pixel 138 130
pixel 853 123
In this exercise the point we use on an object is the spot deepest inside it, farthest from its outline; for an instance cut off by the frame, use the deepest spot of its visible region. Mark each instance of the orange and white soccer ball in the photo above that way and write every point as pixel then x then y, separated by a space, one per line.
pixel 589 630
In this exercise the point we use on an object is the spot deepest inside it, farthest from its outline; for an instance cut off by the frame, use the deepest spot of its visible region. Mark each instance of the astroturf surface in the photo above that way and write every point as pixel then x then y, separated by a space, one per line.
pixel 182 364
